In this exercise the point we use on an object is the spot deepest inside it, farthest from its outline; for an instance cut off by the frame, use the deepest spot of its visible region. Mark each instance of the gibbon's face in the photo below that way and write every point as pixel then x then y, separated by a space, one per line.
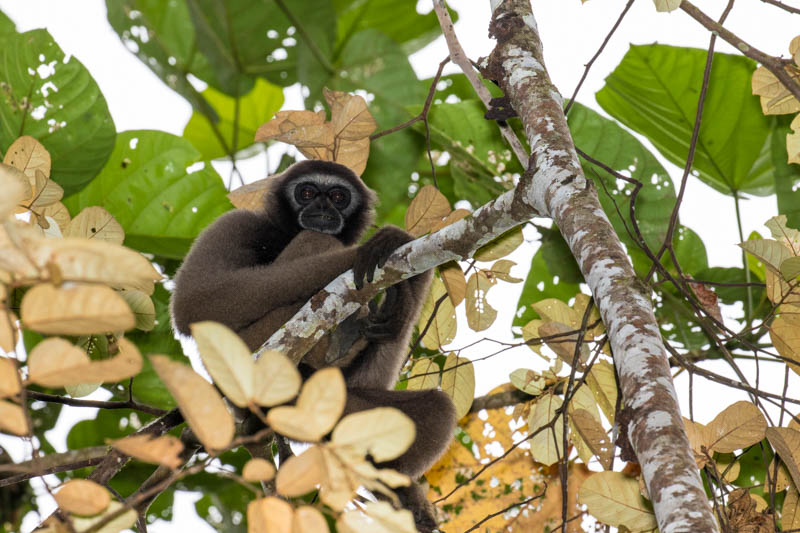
pixel 322 202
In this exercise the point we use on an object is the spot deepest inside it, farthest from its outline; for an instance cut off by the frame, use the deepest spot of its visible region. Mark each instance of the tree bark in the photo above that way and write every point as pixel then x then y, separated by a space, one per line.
pixel 554 186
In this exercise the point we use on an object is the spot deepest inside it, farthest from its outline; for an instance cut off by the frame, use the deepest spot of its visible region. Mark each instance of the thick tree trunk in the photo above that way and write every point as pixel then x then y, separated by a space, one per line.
pixel 555 186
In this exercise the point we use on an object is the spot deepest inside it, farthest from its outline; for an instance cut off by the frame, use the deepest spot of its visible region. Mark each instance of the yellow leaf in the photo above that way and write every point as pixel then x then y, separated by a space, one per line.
pixel 547 446
pixel 454 281
pixel 603 384
pixel 480 315
pixel 771 253
pixel 16 189
pixel 790 515
pixel 83 497
pixel 164 450
pixel 786 442
pixel 423 375
pixel 775 98
pixel 258 469
pixel 785 335
pixel 502 270
pixel 45 191
pixel 665 6
pixel 383 432
pixel 55 362
pixel 301 473
pixel 458 382
pixel 142 307
pixel 9 334
pixel 28 155
pixel 12 419
pixel 308 519
pixel 614 499
pixel 554 310
pixel 58 212
pixel 501 246
pixel 379 517
pixel 530 333
pixel 738 426
pixel 527 381
pixel 275 379
pixel 699 438
pixel 9 378
pixel 269 515
pixel 123 518
pixel 96 223
pixel 227 358
pixel 319 407
pixel 198 400
pixel 441 329
pixel 427 209
pixel 779 291
pixel 76 310
pixel 793 146
pixel 352 154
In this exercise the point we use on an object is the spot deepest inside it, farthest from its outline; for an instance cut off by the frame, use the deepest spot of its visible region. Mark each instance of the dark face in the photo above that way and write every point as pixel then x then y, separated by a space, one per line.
pixel 322 202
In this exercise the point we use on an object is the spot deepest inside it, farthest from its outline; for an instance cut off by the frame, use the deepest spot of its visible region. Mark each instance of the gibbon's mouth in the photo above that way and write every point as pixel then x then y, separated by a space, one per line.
pixel 322 222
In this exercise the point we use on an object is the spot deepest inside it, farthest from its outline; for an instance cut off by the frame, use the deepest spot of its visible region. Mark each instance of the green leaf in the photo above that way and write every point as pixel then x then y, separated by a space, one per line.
pixel 392 159
pixel 372 62
pixel 243 39
pixel 654 91
pixel 787 177
pixel 255 108
pixel 540 284
pixel 6 24
pixel 396 18
pixel 54 99
pixel 558 257
pixel 729 295
pixel 148 189
pixel 162 36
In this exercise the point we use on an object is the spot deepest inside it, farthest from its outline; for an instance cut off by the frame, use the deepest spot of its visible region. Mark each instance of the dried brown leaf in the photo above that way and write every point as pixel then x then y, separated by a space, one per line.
pixel 308 519
pixel 350 116
pixel 352 154
pixel 775 98
pixel 593 435
pixel 45 191
pixel 707 298
pixel 83 497
pixel 9 334
pixel 250 196
pixel 55 362
pixel 269 515
pixel 96 223
pixel 258 469
pixel 426 210
pixel 319 406
pixel 12 419
pixel 300 474
pixel 502 270
pixel 378 517
pixel 16 190
pixel 564 342
pixel 790 514
pixel 76 310
pixel 786 442
pixel 383 432
pixel 28 155
pixel 738 426
pixel 785 335
pixel 58 212
pixel 227 359
pixel 198 400
pixel 527 381
pixel 480 315
pixel 275 379
pixel 164 450
pixel 9 378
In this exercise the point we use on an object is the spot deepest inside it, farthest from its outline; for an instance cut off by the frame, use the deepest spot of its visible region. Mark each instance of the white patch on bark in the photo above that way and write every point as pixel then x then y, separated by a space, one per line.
pixel 530 21
pixel 658 420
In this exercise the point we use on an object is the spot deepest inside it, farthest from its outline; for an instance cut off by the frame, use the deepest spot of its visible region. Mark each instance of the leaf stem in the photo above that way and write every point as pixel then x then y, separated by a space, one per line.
pixel 748 310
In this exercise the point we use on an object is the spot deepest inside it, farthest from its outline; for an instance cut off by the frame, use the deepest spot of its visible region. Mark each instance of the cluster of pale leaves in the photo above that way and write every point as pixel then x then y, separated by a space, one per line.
pixel 781 259
pixel 343 139
pixel 80 282
pixel 777 100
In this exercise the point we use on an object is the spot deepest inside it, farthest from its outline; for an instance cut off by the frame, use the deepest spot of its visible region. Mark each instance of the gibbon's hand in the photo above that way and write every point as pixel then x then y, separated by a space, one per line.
pixel 383 323
pixel 374 253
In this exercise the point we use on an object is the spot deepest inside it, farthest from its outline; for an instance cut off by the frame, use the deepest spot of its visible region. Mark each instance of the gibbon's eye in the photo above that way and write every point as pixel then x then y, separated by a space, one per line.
pixel 339 197
pixel 305 193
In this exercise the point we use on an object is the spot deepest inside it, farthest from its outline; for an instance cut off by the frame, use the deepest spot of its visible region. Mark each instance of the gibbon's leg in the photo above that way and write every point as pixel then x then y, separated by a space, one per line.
pixel 434 417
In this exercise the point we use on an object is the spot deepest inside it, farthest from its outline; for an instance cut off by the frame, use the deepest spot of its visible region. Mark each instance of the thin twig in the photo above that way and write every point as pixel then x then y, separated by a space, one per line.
pixel 76 402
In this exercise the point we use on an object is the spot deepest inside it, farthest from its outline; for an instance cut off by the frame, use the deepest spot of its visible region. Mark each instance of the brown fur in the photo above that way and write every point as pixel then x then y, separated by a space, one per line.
pixel 252 271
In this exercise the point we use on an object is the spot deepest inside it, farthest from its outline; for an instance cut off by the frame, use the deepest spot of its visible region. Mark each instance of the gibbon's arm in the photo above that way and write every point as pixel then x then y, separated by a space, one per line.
pixel 222 280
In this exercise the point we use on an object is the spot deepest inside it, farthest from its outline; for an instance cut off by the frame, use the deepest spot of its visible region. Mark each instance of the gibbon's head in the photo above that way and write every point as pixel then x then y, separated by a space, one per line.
pixel 323 196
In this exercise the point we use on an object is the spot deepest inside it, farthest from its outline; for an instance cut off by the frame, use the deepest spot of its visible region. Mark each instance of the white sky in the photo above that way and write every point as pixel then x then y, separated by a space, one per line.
pixel 571 33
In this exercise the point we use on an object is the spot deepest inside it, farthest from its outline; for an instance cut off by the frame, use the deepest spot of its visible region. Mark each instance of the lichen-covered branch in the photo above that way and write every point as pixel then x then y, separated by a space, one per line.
pixel 560 190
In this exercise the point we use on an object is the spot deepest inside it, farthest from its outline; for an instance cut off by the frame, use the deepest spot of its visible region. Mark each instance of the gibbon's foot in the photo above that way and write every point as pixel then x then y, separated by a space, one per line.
pixel 413 498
